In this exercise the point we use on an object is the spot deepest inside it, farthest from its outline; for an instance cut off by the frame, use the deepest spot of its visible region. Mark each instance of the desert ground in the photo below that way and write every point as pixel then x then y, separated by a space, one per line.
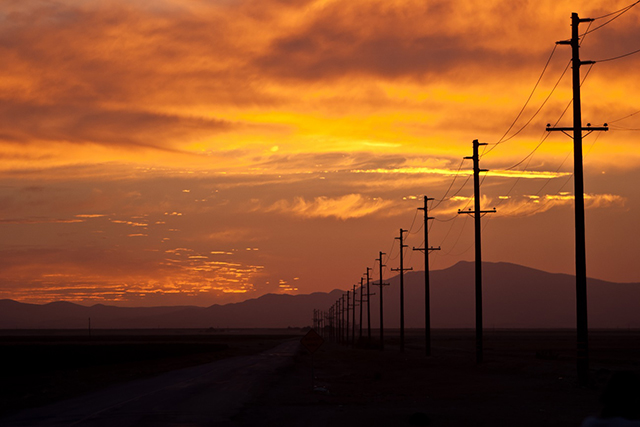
pixel 527 378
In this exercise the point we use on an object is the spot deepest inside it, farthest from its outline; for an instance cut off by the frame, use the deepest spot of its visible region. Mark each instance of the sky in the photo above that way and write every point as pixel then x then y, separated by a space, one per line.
pixel 205 152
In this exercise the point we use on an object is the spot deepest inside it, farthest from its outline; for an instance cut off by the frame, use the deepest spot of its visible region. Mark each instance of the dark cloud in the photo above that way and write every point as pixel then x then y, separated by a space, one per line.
pixel 388 42
pixel 22 122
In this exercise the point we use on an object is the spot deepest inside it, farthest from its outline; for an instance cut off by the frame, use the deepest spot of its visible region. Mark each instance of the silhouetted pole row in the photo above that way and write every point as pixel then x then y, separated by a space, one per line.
pixel 401 270
pixel 578 182
pixel 427 296
pixel 382 285
pixel 581 276
pixel 477 214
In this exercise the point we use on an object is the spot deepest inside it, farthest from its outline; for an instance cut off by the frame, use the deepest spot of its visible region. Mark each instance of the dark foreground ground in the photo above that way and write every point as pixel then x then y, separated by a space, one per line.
pixel 528 378
pixel 41 367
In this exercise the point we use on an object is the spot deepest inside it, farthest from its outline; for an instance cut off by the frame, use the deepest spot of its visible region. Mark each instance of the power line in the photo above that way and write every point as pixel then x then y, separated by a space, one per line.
pixel 537 111
pixel 623 128
pixel 415 215
pixel 619 14
pixel 622 118
pixel 613 13
pixel 451 185
pixel 502 139
pixel 619 57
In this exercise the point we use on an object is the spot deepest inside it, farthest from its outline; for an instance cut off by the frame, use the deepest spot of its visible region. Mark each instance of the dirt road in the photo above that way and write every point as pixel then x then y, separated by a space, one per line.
pixel 205 395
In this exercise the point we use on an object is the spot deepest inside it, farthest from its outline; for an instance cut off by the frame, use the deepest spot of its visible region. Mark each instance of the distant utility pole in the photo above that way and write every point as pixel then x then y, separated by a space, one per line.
pixel 578 182
pixel 401 270
pixel 382 285
pixel 334 322
pixel 330 323
pixel 368 309
pixel 427 296
pixel 341 301
pixel 361 304
pixel 347 317
pixel 340 319
pixel 353 313
pixel 477 213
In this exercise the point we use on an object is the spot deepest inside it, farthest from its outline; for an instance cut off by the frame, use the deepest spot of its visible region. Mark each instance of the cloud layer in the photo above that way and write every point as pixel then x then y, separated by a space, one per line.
pixel 203 152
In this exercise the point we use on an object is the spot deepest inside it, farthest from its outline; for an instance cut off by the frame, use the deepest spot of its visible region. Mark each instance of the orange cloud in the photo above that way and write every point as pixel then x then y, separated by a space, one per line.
pixel 345 207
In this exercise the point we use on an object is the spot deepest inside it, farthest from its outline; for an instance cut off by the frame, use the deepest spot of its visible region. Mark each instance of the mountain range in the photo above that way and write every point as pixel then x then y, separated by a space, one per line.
pixel 514 296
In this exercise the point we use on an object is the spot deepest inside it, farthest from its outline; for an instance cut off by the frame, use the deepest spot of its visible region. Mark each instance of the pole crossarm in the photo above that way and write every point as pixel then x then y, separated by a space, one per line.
pixel 492 210
pixel 589 129
pixel 431 248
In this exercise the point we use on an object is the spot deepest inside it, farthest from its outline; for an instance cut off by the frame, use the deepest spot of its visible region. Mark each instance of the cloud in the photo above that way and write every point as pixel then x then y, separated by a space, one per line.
pixel 22 122
pixel 345 207
pixel 533 204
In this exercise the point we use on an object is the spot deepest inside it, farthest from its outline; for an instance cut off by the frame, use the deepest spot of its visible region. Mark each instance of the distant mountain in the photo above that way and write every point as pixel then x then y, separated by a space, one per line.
pixel 513 297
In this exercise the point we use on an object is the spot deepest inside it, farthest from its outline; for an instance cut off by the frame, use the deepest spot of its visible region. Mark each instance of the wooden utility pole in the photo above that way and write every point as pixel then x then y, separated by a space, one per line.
pixel 353 313
pixel 342 318
pixel 382 285
pixel 578 182
pixel 361 304
pixel 368 309
pixel 477 214
pixel 427 291
pixel 401 270
pixel 347 318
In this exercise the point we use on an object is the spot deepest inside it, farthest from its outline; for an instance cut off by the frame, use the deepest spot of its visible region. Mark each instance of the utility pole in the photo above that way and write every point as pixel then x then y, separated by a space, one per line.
pixel 334 323
pixel 341 300
pixel 368 309
pixel 578 182
pixel 401 270
pixel 353 313
pixel 361 304
pixel 382 285
pixel 427 291
pixel 477 213
pixel 336 316
pixel 347 330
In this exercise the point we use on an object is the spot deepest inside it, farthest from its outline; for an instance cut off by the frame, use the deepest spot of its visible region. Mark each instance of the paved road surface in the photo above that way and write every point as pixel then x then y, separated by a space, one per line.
pixel 205 395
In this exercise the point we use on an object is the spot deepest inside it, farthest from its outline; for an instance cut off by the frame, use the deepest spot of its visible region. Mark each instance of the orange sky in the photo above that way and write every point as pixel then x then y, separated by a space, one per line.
pixel 170 152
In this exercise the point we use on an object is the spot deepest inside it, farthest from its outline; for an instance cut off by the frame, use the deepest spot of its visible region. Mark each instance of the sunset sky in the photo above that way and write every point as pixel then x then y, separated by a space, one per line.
pixel 160 152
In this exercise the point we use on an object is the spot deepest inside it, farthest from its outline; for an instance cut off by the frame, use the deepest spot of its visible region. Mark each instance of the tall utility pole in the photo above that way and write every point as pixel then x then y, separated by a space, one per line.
pixel 401 270
pixel 368 309
pixel 361 304
pixel 427 291
pixel 477 213
pixel 578 182
pixel 382 285
pixel 353 313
